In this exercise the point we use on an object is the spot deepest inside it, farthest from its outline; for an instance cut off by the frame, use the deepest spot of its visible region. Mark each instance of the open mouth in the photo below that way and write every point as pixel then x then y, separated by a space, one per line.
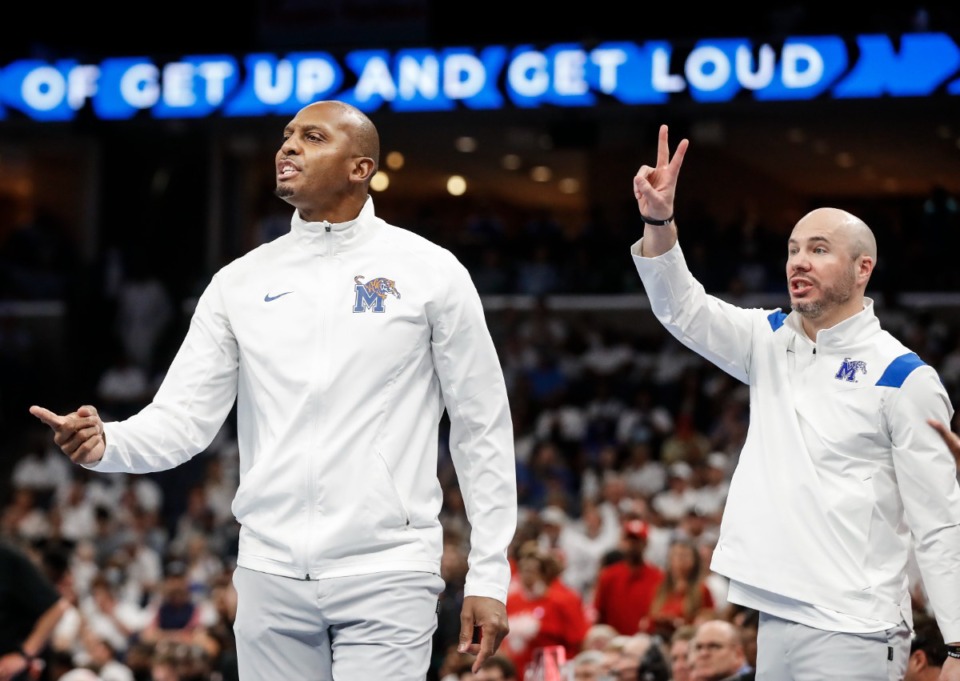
pixel 286 169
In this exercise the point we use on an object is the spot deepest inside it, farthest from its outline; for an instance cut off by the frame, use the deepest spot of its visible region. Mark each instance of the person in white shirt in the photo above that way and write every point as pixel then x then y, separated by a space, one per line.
pixel 342 342
pixel 645 475
pixel 712 494
pixel 673 503
pixel 75 512
pixel 43 471
pixel 839 473
pixel 580 544
pixel 113 620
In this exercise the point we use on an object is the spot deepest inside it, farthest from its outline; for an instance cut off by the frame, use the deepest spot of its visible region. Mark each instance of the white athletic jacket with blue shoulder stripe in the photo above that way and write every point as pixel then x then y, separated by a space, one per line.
pixel 342 344
pixel 839 467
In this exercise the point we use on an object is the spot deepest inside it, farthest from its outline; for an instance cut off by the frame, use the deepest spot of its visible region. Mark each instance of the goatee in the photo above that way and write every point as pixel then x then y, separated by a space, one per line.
pixel 832 297
pixel 808 310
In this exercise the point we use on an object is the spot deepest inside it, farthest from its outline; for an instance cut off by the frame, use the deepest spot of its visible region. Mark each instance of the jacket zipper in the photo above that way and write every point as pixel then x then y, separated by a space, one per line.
pixel 314 502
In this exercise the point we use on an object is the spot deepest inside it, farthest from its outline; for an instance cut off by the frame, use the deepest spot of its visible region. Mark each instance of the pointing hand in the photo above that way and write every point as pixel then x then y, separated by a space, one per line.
pixel 79 434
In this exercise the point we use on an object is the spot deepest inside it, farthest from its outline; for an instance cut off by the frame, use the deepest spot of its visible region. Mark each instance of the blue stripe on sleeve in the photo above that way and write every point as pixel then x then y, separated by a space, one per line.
pixel 776 319
pixel 898 370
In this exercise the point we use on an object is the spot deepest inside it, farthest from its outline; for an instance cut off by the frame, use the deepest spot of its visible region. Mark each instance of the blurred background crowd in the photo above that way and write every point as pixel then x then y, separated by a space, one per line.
pixel 625 441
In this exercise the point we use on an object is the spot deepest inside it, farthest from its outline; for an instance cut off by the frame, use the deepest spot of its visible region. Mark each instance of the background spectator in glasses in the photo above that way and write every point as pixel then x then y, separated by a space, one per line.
pixel 718 653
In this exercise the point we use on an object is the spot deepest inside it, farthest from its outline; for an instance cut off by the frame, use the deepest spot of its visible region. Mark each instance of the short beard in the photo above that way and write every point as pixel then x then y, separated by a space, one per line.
pixel 809 310
pixel 283 191
pixel 832 298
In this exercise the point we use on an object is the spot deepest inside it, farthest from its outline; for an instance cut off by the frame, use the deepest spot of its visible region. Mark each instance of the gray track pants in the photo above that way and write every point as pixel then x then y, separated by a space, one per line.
pixel 787 651
pixel 376 626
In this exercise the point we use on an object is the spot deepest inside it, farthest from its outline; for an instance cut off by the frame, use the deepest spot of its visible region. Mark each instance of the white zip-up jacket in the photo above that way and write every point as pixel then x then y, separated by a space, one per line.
pixel 342 344
pixel 839 467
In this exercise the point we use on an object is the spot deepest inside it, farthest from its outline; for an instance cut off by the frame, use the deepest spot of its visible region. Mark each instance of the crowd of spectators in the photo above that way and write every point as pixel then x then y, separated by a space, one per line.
pixel 625 446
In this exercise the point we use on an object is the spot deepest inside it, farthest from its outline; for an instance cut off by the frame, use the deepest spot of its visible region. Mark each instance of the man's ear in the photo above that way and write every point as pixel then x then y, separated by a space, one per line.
pixel 918 660
pixel 865 267
pixel 363 169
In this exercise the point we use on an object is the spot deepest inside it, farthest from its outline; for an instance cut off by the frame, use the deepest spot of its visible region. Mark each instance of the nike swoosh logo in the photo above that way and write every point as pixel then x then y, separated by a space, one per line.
pixel 268 298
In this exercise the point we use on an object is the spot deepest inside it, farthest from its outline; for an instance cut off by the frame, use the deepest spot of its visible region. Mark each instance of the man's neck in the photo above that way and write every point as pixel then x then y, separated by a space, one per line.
pixel 841 314
pixel 335 212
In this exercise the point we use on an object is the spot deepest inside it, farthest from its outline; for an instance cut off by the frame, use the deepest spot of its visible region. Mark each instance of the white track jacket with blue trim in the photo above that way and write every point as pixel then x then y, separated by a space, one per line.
pixel 839 467
pixel 342 345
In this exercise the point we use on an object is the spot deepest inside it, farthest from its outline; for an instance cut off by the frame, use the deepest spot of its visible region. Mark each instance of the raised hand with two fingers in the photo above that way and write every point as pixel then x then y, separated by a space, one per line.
pixel 655 186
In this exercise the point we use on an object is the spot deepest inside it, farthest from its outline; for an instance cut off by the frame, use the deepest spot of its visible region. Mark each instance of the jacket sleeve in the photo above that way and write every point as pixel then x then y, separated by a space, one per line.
pixel 718 331
pixel 926 478
pixel 481 430
pixel 190 406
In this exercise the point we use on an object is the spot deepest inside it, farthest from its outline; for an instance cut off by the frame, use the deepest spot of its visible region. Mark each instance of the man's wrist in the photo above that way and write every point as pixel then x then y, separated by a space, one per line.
pixel 953 650
pixel 27 656
pixel 655 222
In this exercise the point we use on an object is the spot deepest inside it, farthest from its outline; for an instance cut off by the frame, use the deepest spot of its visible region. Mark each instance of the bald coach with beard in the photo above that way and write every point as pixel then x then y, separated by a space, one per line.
pixel 840 472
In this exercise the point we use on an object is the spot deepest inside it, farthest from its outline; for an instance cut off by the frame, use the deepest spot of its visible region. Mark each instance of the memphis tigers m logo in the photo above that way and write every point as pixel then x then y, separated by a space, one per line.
pixel 372 294
pixel 849 368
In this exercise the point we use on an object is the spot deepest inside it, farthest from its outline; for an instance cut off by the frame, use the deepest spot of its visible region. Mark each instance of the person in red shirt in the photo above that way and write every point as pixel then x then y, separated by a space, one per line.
pixel 538 615
pixel 681 595
pixel 574 612
pixel 625 589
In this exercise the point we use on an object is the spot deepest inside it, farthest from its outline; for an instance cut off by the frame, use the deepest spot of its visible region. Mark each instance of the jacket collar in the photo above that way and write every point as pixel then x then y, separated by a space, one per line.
pixel 333 238
pixel 850 330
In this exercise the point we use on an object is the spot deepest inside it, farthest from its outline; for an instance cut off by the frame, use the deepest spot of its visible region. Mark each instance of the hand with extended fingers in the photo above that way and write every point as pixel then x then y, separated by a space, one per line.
pixel 79 434
pixel 655 187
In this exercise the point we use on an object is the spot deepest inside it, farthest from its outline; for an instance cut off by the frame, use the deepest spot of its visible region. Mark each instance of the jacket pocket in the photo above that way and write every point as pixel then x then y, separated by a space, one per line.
pixel 393 493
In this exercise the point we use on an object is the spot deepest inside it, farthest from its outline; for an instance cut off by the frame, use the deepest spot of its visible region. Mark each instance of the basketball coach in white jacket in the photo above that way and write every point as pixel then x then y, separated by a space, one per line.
pixel 341 342
pixel 840 472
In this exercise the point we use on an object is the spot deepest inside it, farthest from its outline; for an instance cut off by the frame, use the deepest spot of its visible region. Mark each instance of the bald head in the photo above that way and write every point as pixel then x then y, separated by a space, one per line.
pixel 860 239
pixel 356 123
pixel 718 630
